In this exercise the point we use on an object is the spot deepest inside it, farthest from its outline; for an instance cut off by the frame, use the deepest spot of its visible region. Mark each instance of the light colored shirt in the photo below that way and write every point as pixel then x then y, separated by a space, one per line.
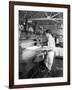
pixel 51 43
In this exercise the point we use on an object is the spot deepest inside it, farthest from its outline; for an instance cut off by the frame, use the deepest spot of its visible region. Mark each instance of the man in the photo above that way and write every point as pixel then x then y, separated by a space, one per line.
pixel 50 50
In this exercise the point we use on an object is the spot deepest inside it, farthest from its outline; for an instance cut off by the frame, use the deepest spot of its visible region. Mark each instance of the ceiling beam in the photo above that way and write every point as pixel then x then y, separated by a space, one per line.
pixel 54 19
pixel 55 15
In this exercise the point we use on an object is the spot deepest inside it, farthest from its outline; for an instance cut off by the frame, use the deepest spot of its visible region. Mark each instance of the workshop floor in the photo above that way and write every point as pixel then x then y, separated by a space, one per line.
pixel 40 71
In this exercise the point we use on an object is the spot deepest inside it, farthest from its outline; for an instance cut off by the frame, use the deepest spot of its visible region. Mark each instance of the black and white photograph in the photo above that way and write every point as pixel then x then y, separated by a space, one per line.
pixel 39 45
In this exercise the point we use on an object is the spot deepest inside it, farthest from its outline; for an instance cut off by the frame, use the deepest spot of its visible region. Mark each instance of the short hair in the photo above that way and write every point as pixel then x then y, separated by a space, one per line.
pixel 48 31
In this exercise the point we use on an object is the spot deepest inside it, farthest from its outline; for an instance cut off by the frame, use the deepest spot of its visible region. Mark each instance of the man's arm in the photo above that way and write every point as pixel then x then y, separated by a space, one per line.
pixel 51 45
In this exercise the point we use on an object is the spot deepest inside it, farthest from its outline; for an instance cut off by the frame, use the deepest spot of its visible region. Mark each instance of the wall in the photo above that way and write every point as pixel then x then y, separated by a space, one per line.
pixel 4 45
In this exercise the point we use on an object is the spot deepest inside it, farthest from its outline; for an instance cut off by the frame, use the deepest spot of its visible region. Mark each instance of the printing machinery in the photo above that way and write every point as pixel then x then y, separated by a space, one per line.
pixel 31 52
pixel 32 48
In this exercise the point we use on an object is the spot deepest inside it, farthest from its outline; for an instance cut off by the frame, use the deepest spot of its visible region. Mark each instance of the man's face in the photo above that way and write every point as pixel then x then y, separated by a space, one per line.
pixel 47 34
